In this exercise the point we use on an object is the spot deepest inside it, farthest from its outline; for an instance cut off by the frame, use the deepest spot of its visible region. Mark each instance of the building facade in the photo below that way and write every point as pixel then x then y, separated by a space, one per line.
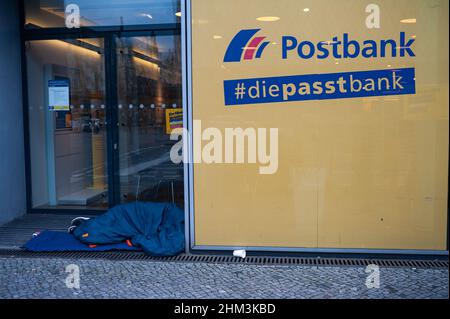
pixel 94 92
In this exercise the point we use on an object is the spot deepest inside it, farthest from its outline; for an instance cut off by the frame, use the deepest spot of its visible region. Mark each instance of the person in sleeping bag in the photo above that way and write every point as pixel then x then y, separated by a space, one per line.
pixel 156 228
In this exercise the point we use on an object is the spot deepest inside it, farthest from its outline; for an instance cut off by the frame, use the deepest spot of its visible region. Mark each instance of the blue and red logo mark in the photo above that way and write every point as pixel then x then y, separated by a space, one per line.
pixel 245 46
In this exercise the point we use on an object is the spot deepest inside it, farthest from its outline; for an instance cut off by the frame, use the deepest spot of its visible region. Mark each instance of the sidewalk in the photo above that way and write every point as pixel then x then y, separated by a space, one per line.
pixel 45 278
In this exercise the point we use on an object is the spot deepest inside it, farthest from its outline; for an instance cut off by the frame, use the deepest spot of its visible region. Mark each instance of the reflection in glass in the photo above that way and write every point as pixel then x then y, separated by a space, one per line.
pixel 67 140
pixel 149 95
pixel 51 13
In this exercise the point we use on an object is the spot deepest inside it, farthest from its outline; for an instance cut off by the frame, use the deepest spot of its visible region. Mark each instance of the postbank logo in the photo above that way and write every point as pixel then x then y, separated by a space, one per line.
pixel 245 45
pixel 275 88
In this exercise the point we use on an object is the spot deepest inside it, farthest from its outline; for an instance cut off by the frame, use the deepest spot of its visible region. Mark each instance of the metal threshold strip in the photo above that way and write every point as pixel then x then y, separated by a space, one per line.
pixel 251 260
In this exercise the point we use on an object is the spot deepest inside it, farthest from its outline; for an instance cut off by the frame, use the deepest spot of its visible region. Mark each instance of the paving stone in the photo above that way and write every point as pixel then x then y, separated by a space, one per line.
pixel 46 278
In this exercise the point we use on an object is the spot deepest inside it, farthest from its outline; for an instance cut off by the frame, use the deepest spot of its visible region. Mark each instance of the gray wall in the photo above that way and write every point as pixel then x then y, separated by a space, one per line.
pixel 12 166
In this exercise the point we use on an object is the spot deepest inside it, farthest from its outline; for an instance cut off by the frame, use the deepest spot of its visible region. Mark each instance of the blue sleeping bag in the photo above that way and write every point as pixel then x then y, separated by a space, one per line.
pixel 50 240
pixel 156 228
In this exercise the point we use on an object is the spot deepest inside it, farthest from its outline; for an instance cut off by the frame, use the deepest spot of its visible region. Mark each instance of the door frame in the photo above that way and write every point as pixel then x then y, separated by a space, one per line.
pixel 109 34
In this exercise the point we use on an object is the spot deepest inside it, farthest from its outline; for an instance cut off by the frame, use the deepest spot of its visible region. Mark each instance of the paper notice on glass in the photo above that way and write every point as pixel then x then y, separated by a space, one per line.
pixel 174 120
pixel 58 95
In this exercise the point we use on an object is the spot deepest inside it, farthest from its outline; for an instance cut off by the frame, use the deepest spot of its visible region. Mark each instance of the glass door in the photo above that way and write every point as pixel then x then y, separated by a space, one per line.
pixel 67 126
pixel 101 113
pixel 149 108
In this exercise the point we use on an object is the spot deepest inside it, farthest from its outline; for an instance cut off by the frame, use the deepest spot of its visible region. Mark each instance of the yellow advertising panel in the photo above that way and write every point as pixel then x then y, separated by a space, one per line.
pixel 357 94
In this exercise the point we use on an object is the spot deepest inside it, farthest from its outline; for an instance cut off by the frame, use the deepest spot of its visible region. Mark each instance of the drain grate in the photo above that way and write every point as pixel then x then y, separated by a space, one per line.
pixel 254 260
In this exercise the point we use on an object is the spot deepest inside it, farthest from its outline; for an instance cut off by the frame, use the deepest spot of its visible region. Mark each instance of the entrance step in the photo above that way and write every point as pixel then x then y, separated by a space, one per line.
pixel 82 198
pixel 20 230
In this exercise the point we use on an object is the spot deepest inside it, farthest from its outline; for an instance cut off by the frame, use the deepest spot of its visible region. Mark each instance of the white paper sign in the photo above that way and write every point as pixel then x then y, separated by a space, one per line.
pixel 58 95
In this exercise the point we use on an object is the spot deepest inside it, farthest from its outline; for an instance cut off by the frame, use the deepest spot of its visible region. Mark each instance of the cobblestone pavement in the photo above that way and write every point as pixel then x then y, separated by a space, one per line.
pixel 45 278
